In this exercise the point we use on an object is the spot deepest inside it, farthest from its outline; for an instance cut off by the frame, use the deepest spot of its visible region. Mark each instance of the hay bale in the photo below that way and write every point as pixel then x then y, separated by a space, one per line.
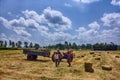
pixel 97 58
pixel 88 67
pixel 78 57
pixel 99 55
pixel 117 56
pixel 92 53
pixel 82 56
pixel 106 67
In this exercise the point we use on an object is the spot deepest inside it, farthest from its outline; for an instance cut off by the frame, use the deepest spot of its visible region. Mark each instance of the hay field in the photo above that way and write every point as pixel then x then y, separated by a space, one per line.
pixel 14 66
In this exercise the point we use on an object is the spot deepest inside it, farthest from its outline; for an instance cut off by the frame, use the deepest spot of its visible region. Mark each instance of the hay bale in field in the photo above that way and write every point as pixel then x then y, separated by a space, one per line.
pixel 117 56
pixel 106 67
pixel 82 56
pixel 92 53
pixel 99 55
pixel 97 58
pixel 88 67
pixel 78 57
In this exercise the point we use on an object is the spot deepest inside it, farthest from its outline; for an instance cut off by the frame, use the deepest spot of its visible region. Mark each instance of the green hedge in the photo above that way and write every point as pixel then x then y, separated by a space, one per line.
pixel 3 48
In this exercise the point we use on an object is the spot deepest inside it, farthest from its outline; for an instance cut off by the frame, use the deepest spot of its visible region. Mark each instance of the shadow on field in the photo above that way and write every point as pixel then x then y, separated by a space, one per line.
pixel 39 60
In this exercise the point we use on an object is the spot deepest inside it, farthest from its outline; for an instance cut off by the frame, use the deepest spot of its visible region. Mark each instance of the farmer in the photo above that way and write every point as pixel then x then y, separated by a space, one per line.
pixel 56 57
pixel 69 57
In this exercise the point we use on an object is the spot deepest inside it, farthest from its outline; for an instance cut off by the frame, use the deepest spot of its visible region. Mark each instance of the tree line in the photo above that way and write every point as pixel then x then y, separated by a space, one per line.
pixel 62 46
pixel 97 46
pixel 18 44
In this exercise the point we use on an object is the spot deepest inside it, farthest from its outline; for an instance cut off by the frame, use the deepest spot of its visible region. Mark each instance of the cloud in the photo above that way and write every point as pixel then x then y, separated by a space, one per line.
pixel 50 18
pixel 3 37
pixel 5 22
pixel 16 25
pixel 22 32
pixel 86 1
pixel 115 2
pixel 67 5
pixel 111 19
pixel 94 25
pixel 9 13
pixel 81 29
pixel 95 33
pixel 56 20
pixel 85 35
pixel 110 35
pixel 50 25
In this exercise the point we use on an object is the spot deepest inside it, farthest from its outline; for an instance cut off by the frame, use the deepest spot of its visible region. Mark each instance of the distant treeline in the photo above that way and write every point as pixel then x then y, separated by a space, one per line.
pixel 97 46
pixel 66 45
pixel 11 45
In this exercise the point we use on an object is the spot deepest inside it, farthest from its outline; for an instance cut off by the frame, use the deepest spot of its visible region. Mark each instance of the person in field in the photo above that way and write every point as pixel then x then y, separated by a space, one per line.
pixel 69 56
pixel 56 57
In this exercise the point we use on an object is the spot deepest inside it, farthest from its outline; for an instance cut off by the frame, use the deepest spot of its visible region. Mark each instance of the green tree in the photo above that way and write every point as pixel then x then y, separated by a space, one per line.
pixel 10 43
pixel 36 46
pixel 83 46
pixel 31 45
pixel 66 45
pixel 5 44
pixel 74 46
pixel 26 44
pixel 70 45
pixel 60 46
pixel 19 43
pixel 1 43
pixel 88 46
pixel 13 44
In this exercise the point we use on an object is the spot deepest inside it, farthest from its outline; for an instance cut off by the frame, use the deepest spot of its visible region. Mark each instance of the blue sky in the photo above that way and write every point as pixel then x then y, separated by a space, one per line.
pixel 55 21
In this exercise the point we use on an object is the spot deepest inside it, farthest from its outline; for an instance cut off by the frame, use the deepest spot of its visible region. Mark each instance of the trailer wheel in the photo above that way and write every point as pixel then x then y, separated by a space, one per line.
pixel 31 57
pixel 28 57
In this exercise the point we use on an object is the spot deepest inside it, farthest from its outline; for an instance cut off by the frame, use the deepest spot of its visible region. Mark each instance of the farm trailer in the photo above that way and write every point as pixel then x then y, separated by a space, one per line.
pixel 32 54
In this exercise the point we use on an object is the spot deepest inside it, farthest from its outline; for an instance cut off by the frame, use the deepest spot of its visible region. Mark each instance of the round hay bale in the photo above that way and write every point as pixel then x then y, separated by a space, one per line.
pixel 78 57
pixel 82 56
pixel 88 67
pixel 117 56
pixel 92 53
pixel 99 55
pixel 98 58
pixel 106 67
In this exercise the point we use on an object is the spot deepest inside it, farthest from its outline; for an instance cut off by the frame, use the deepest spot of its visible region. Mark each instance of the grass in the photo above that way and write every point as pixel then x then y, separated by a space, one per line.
pixel 14 66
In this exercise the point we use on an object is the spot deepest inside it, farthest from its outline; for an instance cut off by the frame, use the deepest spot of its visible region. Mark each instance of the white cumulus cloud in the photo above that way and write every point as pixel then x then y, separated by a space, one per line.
pixel 94 25
pixel 115 2
pixel 86 1
pixel 67 5
pixel 3 37
pixel 50 25
pixel 56 19
pixel 111 19
pixel 50 18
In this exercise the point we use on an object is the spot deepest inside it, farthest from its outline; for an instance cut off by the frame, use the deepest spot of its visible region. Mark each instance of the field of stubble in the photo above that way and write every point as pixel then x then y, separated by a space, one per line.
pixel 14 66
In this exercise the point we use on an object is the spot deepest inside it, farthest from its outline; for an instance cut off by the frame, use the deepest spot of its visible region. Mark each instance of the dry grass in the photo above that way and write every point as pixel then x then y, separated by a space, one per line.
pixel 14 66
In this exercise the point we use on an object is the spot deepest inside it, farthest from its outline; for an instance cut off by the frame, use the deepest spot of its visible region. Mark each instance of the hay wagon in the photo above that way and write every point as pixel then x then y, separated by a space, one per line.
pixel 32 54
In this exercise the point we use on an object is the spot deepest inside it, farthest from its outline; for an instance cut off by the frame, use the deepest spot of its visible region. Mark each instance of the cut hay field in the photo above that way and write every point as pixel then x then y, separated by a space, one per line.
pixel 14 66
